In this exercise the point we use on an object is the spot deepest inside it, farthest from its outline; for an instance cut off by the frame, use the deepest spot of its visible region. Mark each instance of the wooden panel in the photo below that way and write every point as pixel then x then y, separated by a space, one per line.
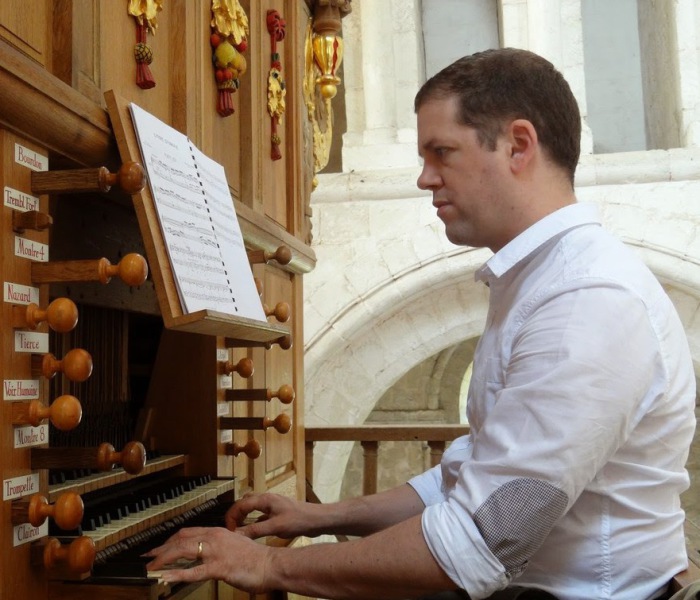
pixel 27 581
pixel 26 27
pixel 243 467
pixel 279 366
pixel 264 189
pixel 181 403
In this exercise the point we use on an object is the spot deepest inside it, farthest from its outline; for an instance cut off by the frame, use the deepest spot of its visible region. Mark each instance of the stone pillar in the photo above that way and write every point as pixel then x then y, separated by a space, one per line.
pixel 382 77
pixel 688 36
pixel 557 35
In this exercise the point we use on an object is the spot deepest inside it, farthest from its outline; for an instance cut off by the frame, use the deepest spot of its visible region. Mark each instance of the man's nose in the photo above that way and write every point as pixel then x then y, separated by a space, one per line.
pixel 428 178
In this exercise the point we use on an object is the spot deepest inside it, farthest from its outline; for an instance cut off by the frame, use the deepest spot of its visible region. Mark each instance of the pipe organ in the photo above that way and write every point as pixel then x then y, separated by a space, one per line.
pixel 120 423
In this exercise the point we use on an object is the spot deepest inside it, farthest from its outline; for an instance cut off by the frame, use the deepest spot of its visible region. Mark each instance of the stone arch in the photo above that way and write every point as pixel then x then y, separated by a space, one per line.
pixel 363 353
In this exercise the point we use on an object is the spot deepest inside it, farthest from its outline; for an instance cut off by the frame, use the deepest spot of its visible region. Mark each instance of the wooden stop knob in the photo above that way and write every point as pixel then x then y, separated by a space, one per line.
pixel 78 556
pixel 281 312
pixel 243 367
pixel 283 255
pixel 132 270
pixel 131 177
pixel 65 412
pixel 251 449
pixel 76 365
pixel 61 315
pixel 132 458
pixel 285 342
pixel 67 511
pixel 285 394
pixel 282 423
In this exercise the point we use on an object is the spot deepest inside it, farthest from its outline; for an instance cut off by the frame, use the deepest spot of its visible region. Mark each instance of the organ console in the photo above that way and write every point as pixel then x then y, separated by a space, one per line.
pixel 123 419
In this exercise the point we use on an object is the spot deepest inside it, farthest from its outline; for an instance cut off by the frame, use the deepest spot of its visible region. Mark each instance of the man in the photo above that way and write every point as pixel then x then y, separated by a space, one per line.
pixel 581 403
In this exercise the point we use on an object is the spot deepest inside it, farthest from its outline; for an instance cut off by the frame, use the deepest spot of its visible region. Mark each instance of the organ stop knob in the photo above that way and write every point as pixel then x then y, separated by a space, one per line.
pixel 65 412
pixel 67 511
pixel 251 449
pixel 61 315
pixel 132 458
pixel 77 557
pixel 282 423
pixel 130 177
pixel 132 269
pixel 76 365
pixel 285 394
pixel 283 256
pixel 243 367
pixel 281 311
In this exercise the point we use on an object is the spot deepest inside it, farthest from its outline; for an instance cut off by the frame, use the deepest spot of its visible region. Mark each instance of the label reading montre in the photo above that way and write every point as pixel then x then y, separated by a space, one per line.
pixel 28 436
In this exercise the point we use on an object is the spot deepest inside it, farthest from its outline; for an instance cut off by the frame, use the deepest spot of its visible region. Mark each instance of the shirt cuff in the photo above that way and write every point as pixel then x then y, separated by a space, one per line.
pixel 457 546
pixel 428 486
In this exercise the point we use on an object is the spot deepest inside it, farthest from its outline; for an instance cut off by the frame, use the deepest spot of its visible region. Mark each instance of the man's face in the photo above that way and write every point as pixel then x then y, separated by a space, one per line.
pixel 467 179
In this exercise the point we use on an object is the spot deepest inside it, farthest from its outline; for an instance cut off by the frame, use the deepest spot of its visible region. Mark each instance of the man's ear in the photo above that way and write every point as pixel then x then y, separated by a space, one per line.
pixel 523 139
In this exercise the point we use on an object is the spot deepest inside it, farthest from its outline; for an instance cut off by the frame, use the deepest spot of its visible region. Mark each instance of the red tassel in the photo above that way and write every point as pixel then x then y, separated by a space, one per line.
pixel 224 105
pixel 144 56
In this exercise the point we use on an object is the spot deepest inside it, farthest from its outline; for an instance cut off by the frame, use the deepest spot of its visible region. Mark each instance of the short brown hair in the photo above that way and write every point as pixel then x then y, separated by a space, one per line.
pixel 496 86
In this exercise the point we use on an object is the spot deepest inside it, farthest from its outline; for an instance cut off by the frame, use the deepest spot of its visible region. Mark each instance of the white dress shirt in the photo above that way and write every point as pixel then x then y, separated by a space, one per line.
pixel 581 407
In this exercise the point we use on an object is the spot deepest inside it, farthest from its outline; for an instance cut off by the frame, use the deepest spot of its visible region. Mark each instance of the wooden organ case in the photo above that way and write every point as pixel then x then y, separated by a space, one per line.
pixel 120 415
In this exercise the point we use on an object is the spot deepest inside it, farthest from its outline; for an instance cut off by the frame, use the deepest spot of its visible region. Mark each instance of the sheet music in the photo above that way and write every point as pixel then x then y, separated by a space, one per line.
pixel 199 224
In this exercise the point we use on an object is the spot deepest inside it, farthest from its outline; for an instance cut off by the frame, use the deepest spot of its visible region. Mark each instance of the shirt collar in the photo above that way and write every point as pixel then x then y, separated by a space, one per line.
pixel 567 217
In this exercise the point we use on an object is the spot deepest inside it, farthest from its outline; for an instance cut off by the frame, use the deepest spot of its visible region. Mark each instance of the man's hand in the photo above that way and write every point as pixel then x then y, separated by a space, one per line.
pixel 224 555
pixel 281 516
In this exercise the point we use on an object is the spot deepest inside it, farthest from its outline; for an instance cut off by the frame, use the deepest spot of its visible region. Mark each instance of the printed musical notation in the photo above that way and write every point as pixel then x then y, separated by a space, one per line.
pixel 198 221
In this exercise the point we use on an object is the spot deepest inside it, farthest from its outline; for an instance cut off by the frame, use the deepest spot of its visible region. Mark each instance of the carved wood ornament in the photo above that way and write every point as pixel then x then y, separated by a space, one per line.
pixel 275 83
pixel 323 56
pixel 144 12
pixel 229 40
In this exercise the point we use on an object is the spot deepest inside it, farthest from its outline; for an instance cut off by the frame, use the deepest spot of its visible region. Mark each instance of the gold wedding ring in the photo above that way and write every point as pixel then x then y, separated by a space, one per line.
pixel 200 547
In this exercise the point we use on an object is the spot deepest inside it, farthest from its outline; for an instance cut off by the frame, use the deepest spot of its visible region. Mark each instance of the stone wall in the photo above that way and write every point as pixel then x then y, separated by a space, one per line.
pixel 390 294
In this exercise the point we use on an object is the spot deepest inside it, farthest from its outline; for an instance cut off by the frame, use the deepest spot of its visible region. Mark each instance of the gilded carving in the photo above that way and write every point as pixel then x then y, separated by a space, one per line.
pixel 145 13
pixel 229 40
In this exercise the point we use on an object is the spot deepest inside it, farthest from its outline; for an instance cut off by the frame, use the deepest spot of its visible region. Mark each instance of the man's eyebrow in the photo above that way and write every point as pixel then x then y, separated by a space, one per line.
pixel 428 145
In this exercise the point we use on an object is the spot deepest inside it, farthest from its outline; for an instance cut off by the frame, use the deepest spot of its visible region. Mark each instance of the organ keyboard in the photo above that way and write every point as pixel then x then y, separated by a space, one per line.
pixel 119 512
